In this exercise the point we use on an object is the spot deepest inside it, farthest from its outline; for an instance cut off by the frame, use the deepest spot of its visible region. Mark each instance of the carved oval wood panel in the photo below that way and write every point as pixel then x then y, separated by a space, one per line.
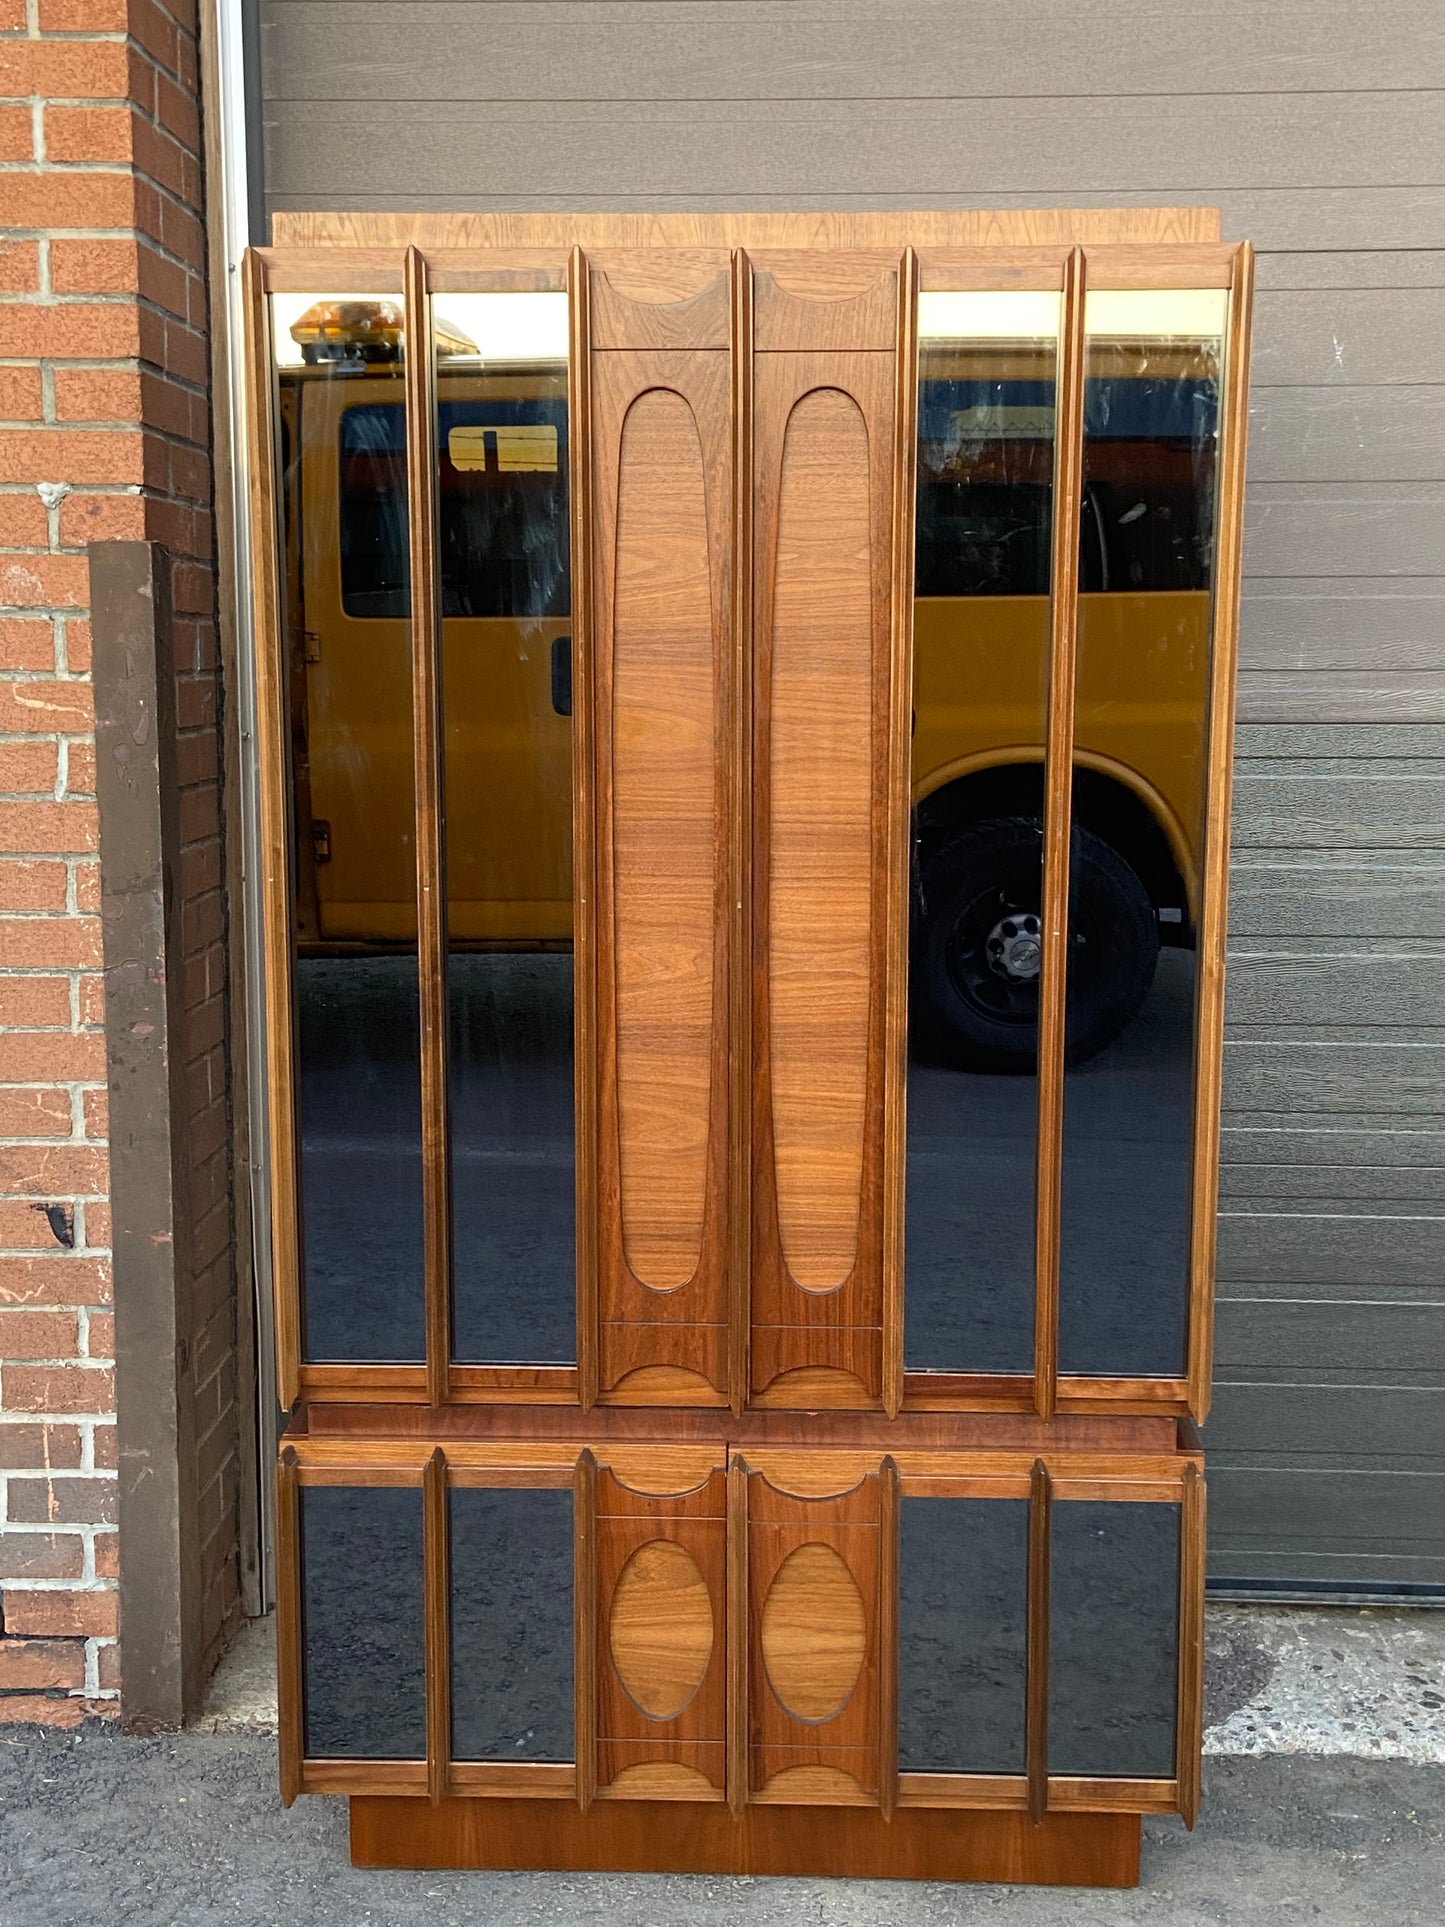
pixel 660 1628
pixel 814 1634
pixel 820 776
pixel 664 836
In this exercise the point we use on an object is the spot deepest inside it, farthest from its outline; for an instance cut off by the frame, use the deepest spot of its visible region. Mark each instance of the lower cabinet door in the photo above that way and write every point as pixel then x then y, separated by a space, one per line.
pixel 816 1627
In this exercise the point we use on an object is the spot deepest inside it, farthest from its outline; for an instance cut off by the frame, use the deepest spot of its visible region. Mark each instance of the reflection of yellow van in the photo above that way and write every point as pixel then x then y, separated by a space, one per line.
pixel 981 628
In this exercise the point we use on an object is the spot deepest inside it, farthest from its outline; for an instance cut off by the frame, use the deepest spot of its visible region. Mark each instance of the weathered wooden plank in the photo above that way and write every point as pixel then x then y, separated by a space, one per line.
pixel 1348 987
pixel 1267 1339
pixel 742 147
pixel 1302 1248
pixel 1351 432
pixel 1349 528
pixel 776 49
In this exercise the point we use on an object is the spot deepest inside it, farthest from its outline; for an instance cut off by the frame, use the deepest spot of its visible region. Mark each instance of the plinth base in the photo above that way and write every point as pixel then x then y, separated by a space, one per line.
pixel 625 1836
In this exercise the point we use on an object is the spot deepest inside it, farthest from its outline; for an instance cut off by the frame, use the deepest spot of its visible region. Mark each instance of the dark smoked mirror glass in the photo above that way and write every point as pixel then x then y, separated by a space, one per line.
pixel 511 1624
pixel 1151 438
pixel 342 462
pixel 962 1635
pixel 362 1622
pixel 987 369
pixel 1113 1639
pixel 505 559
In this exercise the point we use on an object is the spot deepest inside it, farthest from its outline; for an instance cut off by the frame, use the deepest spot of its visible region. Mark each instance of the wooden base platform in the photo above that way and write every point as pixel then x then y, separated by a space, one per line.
pixel 624 1836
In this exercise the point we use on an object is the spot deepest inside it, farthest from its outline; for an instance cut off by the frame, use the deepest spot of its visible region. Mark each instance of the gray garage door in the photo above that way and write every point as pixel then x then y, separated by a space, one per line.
pixel 1315 126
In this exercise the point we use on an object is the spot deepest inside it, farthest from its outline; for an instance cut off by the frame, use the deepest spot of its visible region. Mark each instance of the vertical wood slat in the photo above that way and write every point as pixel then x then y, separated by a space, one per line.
pixel 740 998
pixel 584 1610
pixel 1189 1714
pixel 1214 878
pixel 436 1567
pixel 1036 1725
pixel 1058 778
pixel 888 1524
pixel 584 895
pixel 737 1635
pixel 274 735
pixel 897 831
pixel 289 1676
pixel 427 754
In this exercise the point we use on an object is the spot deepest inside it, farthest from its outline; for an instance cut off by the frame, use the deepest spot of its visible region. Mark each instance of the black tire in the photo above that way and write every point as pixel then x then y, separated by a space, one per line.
pixel 975 930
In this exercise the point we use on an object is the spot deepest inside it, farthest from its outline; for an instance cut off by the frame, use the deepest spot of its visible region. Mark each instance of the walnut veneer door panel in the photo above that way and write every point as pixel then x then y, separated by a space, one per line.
pixel 662 507
pixel 661 1661
pixel 815 1662
pixel 823 560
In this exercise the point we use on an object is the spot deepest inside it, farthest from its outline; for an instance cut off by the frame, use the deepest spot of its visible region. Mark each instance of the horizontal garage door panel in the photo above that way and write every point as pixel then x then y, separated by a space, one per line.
pixel 1335 987
pixel 1362 1527
pixel 1358 336
pixel 978 146
pixel 1310 432
pixel 777 49
pixel 1338 528
pixel 1394 1343
pixel 1384 1077
pixel 1246 1177
pixel 1308 623
pixel 1402 895
pixel 1399 1247
pixel 1403 809
pixel 1271 1424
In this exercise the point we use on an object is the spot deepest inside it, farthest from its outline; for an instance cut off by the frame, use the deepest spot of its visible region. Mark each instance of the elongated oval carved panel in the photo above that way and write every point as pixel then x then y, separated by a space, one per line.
pixel 664 836
pixel 820 776
pixel 660 1628
pixel 814 1634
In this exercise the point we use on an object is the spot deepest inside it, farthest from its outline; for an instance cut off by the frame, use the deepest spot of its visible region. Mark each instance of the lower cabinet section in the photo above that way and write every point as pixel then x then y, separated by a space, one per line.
pixel 749 1628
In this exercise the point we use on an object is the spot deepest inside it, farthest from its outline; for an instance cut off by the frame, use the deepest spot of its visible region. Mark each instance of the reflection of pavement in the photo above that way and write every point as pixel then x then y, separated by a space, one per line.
pixel 962 1637
pixel 969 1255
pixel 969 1258
pixel 512 1163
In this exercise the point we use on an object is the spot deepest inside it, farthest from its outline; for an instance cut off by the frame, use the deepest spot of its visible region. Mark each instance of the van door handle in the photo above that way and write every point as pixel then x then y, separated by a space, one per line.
pixel 562 675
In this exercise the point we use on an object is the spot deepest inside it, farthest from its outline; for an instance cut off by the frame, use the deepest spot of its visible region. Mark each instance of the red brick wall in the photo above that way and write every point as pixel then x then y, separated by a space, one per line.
pixel 104 434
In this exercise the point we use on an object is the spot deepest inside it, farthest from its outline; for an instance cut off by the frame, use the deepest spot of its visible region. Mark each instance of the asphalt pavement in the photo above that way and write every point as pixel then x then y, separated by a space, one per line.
pixel 97 1828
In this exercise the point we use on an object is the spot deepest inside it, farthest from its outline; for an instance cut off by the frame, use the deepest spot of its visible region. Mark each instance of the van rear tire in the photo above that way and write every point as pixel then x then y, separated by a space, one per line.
pixel 977 940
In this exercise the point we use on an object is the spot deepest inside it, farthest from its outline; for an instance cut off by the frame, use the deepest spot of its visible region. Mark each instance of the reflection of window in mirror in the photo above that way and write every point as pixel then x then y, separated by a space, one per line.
pixel 986 402
pixel 340 365
pixel 1151 437
pixel 504 556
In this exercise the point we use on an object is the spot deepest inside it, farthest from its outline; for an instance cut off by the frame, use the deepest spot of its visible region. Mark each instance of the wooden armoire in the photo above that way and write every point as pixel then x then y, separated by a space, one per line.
pixel 745 709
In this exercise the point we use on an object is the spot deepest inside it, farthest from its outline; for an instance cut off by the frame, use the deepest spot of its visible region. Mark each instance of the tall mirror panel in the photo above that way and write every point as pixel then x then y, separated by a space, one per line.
pixel 962 1635
pixel 1151 442
pixel 1113 1639
pixel 341 462
pixel 362 1622
pixel 505 571
pixel 987 371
